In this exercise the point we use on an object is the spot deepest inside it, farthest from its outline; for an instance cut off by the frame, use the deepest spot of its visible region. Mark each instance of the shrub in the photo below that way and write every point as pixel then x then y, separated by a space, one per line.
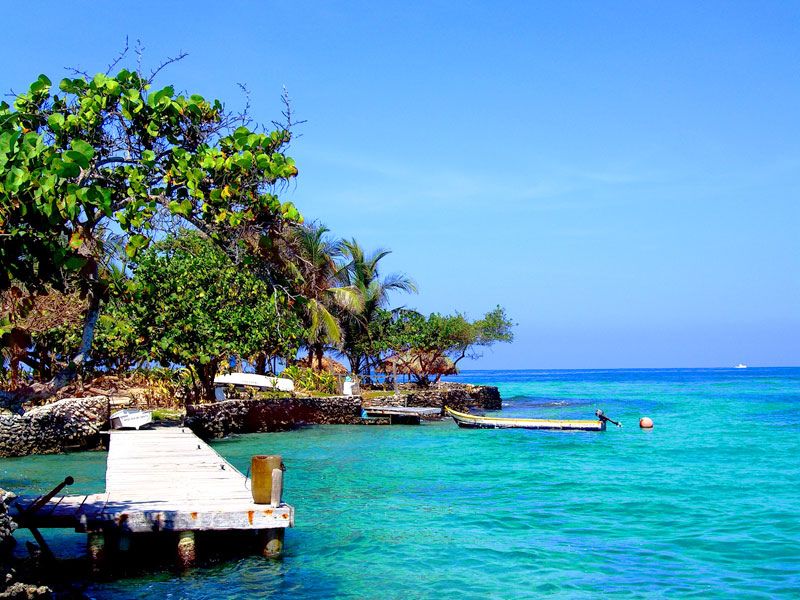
pixel 310 380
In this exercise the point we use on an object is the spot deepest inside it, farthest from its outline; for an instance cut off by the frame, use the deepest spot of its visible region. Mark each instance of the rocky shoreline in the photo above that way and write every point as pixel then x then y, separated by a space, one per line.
pixel 77 423
pixel 68 424
pixel 252 415
pixel 12 570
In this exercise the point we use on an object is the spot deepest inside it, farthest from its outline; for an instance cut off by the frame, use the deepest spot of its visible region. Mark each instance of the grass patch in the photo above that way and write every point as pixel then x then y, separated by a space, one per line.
pixel 168 414
pixel 372 394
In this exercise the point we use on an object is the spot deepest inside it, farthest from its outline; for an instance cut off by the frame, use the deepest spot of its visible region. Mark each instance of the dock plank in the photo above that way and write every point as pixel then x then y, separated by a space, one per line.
pixel 417 411
pixel 162 480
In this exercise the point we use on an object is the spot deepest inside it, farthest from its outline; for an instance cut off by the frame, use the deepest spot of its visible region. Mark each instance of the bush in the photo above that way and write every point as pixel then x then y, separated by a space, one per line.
pixel 310 380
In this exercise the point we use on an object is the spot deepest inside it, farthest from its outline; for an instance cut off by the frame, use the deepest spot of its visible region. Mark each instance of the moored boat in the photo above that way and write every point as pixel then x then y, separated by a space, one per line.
pixel 131 418
pixel 475 422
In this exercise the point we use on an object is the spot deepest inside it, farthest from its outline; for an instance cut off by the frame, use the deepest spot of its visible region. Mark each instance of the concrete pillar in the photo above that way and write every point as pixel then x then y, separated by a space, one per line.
pixel 271 542
pixel 186 549
pixel 96 545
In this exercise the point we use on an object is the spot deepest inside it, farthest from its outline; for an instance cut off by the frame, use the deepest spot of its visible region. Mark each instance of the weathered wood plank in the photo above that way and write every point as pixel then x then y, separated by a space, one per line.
pixel 164 480
pixel 403 410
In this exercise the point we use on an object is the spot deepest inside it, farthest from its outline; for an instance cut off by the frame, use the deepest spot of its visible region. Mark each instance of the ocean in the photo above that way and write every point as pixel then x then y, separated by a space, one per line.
pixel 706 504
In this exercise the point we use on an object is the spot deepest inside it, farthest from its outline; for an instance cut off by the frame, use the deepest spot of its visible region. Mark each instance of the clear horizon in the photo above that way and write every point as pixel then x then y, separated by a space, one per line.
pixel 622 178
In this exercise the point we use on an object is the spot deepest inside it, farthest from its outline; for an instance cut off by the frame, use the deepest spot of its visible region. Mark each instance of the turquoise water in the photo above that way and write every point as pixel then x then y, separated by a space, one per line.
pixel 707 504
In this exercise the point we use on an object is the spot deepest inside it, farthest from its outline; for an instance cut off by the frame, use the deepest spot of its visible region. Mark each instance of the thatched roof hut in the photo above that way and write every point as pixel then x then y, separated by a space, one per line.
pixel 418 364
pixel 328 364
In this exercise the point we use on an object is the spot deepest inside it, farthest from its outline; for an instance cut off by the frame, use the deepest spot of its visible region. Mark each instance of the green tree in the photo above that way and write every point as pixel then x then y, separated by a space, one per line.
pixel 191 305
pixel 115 151
pixel 318 281
pixel 425 342
pixel 362 272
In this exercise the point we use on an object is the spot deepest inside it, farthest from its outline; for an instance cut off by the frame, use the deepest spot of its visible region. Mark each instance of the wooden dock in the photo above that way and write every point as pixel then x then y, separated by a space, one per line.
pixel 403 414
pixel 165 480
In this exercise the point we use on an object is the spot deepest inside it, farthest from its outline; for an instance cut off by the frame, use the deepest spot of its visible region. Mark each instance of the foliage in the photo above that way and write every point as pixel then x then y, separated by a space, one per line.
pixel 311 380
pixel 190 305
pixel 113 148
pixel 96 175
pixel 115 151
pixel 362 273
pixel 317 281
pixel 438 336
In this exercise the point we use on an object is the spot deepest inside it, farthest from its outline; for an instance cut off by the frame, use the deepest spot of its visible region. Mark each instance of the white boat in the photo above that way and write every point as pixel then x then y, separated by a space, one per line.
pixel 740 366
pixel 251 380
pixel 469 421
pixel 131 418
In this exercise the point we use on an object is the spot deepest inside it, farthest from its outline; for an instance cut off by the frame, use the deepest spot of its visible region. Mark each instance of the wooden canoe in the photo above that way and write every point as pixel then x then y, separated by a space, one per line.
pixel 475 422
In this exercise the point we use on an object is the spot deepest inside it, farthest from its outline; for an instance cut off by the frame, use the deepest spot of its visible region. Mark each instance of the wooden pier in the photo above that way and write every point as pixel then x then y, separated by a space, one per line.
pixel 165 480
pixel 404 415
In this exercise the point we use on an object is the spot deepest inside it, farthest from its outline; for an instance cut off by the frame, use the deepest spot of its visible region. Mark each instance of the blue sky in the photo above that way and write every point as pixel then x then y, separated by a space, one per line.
pixel 622 177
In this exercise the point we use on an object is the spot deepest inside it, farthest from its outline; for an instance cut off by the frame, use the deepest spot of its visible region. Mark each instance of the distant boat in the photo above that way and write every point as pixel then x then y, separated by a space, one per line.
pixel 740 366
pixel 474 422
pixel 131 418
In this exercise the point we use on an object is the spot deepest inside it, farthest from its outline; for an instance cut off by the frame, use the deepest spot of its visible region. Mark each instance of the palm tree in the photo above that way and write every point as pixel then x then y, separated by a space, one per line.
pixel 362 273
pixel 317 272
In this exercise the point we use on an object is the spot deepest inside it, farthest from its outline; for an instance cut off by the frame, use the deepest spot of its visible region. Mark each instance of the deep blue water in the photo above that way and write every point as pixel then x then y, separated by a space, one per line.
pixel 707 504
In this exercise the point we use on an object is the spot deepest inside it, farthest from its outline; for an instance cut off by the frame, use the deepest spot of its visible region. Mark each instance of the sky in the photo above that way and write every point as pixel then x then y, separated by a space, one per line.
pixel 622 177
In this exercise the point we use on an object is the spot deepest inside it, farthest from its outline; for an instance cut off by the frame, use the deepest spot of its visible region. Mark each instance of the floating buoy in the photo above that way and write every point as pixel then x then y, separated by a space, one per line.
pixel 646 423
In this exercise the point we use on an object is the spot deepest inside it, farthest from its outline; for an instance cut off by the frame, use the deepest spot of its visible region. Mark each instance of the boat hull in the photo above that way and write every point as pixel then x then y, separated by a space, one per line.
pixel 468 421
pixel 131 419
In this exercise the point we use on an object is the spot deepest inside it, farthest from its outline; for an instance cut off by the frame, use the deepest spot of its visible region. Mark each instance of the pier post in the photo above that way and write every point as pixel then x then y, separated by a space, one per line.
pixel 96 545
pixel 271 542
pixel 277 487
pixel 186 549
pixel 124 542
pixel 261 468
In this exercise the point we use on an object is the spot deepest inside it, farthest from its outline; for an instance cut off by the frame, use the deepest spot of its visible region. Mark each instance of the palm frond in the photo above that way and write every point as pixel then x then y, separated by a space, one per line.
pixel 348 297
pixel 333 334
pixel 401 283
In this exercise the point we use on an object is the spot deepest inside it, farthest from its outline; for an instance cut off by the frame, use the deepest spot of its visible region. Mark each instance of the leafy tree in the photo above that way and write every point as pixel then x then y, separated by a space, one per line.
pixel 190 305
pixel 429 340
pixel 115 151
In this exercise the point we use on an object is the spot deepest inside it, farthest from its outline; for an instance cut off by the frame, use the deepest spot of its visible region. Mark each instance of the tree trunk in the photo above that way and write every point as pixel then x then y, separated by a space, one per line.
pixel 318 352
pixel 261 364
pixel 207 373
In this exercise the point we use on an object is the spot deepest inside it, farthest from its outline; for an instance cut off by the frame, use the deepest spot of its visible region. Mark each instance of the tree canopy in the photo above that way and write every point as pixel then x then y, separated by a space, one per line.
pixel 189 305
pixel 142 225
pixel 115 151
pixel 426 341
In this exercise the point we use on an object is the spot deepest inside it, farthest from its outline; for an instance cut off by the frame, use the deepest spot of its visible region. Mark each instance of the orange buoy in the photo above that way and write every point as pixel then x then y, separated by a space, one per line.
pixel 646 423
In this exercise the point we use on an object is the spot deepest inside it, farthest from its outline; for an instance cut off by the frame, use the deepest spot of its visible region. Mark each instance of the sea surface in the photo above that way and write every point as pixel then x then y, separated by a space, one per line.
pixel 707 504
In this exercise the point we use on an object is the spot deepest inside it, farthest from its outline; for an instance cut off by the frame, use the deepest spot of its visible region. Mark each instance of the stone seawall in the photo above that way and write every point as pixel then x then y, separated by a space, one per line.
pixel 459 396
pixel 251 415
pixel 68 424
pixel 12 569
pixel 219 419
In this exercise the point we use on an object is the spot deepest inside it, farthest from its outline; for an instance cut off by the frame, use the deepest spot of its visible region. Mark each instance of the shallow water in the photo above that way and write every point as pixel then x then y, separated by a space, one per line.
pixel 706 504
